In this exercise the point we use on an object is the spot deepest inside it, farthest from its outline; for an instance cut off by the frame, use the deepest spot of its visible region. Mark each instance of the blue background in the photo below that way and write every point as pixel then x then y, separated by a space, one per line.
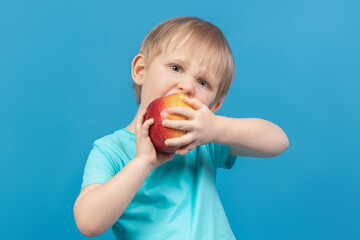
pixel 65 81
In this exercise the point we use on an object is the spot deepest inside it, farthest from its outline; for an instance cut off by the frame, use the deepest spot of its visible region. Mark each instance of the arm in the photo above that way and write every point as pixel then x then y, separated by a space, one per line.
pixel 99 206
pixel 250 137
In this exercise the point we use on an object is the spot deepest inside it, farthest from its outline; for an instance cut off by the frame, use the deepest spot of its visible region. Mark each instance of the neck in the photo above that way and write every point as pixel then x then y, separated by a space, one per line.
pixel 131 127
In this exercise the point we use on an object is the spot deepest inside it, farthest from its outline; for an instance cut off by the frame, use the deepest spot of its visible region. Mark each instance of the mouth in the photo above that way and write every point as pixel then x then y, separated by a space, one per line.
pixel 170 93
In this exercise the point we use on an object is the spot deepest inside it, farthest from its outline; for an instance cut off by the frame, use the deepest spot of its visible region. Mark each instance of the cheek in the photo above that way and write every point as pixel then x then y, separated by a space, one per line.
pixel 207 99
pixel 204 94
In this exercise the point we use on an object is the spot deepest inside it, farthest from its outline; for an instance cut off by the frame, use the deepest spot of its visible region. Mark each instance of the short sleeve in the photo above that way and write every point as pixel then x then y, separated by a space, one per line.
pixel 98 168
pixel 220 153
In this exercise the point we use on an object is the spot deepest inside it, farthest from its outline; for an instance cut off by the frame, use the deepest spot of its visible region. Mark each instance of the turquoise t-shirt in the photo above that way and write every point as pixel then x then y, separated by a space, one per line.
pixel 178 200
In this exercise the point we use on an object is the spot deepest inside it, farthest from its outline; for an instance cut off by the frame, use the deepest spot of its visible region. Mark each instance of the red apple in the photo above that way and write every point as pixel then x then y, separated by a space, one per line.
pixel 157 109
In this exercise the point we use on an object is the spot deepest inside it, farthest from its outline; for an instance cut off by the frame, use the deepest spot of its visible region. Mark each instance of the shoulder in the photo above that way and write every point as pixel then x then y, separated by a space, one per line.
pixel 108 156
pixel 118 147
pixel 119 140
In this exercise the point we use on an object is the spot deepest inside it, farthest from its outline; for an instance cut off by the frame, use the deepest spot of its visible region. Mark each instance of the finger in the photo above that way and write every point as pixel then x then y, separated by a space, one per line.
pixel 184 111
pixel 146 126
pixel 179 141
pixel 184 125
pixel 186 149
pixel 194 103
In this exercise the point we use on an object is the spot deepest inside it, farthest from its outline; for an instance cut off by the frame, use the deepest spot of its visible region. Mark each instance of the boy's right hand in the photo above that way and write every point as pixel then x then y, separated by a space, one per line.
pixel 144 147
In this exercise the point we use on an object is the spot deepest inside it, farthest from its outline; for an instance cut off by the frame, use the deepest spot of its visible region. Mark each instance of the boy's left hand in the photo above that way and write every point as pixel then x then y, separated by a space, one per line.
pixel 201 126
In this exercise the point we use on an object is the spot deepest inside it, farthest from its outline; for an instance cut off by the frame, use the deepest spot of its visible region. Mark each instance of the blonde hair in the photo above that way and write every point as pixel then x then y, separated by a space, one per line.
pixel 200 37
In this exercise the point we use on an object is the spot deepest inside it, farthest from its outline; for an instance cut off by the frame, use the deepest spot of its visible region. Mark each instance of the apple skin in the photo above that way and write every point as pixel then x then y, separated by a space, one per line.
pixel 157 110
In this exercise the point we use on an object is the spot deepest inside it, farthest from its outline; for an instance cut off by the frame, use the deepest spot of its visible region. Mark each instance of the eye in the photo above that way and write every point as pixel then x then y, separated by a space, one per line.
pixel 176 68
pixel 204 83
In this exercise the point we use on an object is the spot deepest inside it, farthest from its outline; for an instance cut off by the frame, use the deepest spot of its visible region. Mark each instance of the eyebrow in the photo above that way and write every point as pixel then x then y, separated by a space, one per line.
pixel 178 60
pixel 185 63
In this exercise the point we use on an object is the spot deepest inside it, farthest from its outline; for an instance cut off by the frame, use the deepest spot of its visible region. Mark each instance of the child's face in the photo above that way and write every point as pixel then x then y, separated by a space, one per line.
pixel 174 71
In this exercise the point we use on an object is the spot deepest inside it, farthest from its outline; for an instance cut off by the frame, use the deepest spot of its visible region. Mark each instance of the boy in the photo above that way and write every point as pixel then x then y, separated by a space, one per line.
pixel 145 194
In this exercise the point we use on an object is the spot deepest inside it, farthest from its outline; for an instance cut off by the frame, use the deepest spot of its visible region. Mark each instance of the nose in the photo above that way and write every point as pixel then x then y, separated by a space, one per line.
pixel 186 86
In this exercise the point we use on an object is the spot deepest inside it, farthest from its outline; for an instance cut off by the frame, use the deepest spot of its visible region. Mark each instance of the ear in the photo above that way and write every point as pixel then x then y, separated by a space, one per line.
pixel 216 106
pixel 138 69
